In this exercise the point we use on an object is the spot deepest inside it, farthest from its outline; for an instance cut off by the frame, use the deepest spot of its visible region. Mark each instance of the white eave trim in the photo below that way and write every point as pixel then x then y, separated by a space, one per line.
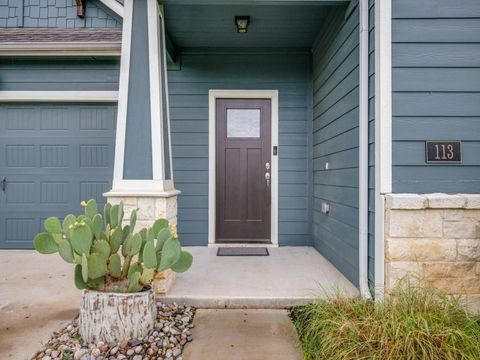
pixel 60 48
pixel 58 96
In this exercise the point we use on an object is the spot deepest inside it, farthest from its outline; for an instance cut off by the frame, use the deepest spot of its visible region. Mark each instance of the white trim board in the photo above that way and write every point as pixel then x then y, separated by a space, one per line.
pixel 156 96
pixel 59 96
pixel 123 94
pixel 60 48
pixel 113 5
pixel 383 132
pixel 213 95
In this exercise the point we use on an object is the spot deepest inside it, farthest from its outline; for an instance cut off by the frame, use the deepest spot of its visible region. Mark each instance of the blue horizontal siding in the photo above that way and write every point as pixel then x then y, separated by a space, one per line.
pixel 335 140
pixel 189 123
pixel 436 92
pixel 61 74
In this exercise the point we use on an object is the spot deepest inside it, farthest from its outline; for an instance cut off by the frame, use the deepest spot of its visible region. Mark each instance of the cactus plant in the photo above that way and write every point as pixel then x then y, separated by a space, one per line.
pixel 111 257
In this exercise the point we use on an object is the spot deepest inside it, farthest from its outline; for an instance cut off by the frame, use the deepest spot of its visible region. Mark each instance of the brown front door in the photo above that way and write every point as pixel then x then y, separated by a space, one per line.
pixel 243 164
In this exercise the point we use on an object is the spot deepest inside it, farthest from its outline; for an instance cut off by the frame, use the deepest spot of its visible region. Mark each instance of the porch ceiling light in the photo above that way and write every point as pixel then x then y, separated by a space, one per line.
pixel 242 23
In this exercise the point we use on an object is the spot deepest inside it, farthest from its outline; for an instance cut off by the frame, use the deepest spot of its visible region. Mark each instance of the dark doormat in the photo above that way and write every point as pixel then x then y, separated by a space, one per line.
pixel 243 251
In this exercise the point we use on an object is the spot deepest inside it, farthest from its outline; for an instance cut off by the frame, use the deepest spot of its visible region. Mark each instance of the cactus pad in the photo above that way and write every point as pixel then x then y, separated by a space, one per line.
pixel 115 266
pixel 84 268
pixel 184 263
pixel 53 225
pixel 149 257
pixel 79 283
pixel 81 239
pixel 97 265
pixel 65 251
pixel 45 243
pixel 171 253
pixel 91 208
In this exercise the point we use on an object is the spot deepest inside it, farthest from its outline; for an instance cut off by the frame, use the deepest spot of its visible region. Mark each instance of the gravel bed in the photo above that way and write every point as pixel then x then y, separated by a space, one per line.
pixel 165 342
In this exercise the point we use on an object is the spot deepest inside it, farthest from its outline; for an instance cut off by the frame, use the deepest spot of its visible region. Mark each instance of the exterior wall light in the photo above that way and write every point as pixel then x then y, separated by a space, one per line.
pixel 242 23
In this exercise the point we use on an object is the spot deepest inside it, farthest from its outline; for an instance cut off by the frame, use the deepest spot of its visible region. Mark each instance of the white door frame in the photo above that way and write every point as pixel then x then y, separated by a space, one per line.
pixel 241 94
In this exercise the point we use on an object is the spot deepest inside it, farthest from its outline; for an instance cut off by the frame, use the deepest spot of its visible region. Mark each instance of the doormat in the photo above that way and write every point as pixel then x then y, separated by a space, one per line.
pixel 242 251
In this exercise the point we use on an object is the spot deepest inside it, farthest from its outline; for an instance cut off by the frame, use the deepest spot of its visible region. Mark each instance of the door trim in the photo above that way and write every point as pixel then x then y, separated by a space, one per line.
pixel 213 95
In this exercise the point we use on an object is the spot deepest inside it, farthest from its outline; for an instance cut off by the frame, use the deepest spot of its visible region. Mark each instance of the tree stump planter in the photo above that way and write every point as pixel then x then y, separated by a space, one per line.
pixel 115 317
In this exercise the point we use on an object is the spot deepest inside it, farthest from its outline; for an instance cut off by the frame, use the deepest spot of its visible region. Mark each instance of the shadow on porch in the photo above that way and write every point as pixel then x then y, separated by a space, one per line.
pixel 289 276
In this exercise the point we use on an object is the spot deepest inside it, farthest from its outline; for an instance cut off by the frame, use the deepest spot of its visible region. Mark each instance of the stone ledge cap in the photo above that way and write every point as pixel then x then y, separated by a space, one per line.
pixel 444 201
pixel 432 201
pixel 406 201
pixel 150 194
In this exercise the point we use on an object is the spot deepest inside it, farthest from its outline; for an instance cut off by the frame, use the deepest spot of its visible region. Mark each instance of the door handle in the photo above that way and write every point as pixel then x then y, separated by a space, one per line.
pixel 267 178
pixel 4 183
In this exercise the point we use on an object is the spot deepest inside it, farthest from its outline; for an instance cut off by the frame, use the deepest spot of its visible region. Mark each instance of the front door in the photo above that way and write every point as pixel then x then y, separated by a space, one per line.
pixel 243 170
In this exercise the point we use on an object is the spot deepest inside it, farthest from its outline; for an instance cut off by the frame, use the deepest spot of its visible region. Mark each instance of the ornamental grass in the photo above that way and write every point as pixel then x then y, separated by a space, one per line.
pixel 413 322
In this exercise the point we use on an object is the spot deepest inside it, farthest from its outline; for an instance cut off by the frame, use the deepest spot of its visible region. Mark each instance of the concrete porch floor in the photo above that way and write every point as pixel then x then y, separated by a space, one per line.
pixel 37 294
pixel 289 276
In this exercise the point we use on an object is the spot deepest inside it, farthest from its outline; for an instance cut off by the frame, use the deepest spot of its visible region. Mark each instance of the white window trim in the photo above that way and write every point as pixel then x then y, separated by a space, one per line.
pixel 59 96
pixel 383 132
pixel 240 94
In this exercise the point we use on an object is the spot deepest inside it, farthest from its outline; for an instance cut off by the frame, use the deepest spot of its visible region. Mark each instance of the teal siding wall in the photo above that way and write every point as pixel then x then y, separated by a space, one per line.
pixel 436 92
pixel 335 140
pixel 289 73
pixel 51 74
pixel 55 13
pixel 138 128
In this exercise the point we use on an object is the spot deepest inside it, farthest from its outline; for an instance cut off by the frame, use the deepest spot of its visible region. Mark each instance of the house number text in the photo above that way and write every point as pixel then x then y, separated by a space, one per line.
pixel 445 152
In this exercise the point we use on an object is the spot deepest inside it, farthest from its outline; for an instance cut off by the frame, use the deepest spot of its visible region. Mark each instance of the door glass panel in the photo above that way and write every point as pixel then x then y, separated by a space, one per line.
pixel 243 123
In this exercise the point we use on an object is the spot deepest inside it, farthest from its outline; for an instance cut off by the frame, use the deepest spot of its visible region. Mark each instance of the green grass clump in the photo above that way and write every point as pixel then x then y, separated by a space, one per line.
pixel 412 322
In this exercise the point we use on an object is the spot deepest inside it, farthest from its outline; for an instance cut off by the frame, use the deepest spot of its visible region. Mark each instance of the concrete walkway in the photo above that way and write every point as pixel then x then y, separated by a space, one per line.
pixel 243 334
pixel 37 296
pixel 289 276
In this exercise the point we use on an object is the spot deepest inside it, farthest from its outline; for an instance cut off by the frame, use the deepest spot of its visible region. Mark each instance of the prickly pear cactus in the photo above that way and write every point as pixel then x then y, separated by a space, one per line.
pixel 108 256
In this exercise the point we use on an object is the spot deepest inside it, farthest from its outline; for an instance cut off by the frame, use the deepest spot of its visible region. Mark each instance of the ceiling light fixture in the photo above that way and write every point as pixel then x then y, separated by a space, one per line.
pixel 241 23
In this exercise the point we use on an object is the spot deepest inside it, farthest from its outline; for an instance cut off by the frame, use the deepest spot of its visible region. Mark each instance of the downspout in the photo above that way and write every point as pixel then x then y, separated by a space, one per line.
pixel 363 152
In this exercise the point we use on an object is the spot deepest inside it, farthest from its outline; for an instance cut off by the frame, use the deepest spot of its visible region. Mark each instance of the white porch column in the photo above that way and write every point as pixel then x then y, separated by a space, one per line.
pixel 143 175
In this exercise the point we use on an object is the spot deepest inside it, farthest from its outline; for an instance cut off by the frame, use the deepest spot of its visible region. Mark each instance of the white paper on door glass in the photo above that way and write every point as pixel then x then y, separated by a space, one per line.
pixel 243 123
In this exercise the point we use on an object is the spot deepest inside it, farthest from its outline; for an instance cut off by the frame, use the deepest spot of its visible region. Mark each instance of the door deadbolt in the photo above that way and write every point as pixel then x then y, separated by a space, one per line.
pixel 267 166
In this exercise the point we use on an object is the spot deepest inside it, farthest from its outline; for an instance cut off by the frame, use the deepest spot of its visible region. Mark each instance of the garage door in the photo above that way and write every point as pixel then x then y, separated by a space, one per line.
pixel 52 156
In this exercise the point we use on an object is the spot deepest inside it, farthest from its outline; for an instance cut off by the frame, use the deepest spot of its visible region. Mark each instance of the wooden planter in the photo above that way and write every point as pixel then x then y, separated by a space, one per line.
pixel 114 317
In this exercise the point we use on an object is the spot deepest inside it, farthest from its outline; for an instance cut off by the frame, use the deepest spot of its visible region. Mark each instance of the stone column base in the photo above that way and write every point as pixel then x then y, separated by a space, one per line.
pixel 436 237
pixel 150 208
pixel 164 281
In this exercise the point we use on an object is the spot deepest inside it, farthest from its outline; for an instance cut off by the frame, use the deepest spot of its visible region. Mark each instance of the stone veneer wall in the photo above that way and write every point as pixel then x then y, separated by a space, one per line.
pixel 436 236
pixel 149 209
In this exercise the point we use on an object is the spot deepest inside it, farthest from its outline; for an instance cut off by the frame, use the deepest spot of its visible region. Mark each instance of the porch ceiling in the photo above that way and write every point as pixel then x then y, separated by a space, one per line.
pixel 212 26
